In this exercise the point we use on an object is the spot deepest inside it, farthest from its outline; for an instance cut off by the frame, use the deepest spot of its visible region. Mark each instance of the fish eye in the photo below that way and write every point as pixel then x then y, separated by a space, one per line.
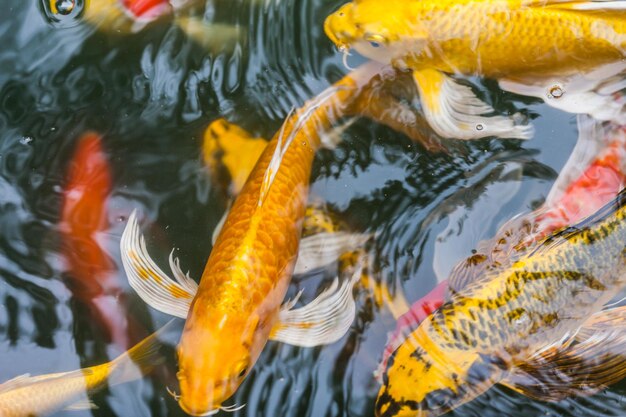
pixel 62 13
pixel 376 40
pixel 64 7
pixel 242 368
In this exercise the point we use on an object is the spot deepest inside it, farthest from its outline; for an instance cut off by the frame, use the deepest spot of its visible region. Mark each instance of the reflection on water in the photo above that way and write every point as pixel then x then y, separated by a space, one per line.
pixel 151 94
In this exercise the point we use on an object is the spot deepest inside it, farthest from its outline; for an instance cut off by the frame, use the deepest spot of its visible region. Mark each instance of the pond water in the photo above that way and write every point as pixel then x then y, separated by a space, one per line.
pixel 151 94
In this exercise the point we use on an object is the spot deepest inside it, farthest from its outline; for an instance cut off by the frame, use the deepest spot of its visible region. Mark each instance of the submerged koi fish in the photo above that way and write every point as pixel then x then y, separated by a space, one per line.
pixel 83 216
pixel 128 16
pixel 594 174
pixel 27 396
pixel 566 51
pixel 237 306
pixel 499 328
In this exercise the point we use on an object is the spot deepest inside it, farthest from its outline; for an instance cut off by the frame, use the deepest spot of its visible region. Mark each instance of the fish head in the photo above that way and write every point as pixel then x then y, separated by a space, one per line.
pixel 376 29
pixel 427 380
pixel 214 357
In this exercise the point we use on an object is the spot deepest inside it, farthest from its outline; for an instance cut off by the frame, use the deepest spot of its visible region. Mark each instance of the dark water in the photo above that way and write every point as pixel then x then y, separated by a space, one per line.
pixel 151 94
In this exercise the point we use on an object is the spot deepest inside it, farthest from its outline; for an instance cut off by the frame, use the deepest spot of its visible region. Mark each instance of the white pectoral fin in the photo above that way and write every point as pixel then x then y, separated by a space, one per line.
pixel 454 111
pixel 155 287
pixel 595 93
pixel 324 248
pixel 82 404
pixel 324 320
pixel 220 224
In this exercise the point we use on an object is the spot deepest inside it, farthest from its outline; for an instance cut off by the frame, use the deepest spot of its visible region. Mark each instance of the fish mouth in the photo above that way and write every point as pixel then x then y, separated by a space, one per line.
pixel 182 405
pixel 335 27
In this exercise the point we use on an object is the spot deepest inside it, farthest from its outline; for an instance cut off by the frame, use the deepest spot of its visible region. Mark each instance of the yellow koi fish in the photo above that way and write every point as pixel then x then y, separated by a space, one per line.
pixel 568 52
pixel 525 326
pixel 237 306
pixel 28 396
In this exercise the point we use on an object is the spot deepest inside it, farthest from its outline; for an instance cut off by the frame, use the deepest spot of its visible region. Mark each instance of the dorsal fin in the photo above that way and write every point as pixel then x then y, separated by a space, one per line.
pixel 582 5
pixel 283 143
pixel 599 216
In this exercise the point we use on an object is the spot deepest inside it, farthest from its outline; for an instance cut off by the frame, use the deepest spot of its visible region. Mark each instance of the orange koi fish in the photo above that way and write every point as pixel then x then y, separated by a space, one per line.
pixel 83 217
pixel 237 306
pixel 27 396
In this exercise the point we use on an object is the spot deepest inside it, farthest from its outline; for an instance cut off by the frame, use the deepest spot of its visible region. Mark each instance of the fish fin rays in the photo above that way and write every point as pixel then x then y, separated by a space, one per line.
pixel 82 404
pixel 596 92
pixel 138 360
pixel 324 320
pixel 587 362
pixel 321 249
pixel 220 224
pixel 579 5
pixel 155 287
pixel 454 111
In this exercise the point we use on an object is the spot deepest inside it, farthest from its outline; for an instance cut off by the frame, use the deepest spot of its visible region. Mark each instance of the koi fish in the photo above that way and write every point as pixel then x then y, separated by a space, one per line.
pixel 83 216
pixel 508 326
pixel 236 308
pixel 26 395
pixel 129 16
pixel 582 188
pixel 114 15
pixel 568 52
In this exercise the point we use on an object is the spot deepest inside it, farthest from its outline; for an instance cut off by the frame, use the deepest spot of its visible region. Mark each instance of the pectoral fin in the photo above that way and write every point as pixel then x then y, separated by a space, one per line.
pixel 83 404
pixel 583 365
pixel 324 320
pixel 454 111
pixel 324 248
pixel 155 287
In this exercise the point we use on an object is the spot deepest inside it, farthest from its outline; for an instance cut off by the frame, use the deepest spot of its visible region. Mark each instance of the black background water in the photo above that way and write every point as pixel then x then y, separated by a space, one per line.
pixel 151 94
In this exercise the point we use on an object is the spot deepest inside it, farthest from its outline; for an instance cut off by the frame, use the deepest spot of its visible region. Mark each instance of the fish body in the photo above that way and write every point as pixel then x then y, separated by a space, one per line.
pixel 569 53
pixel 27 396
pixel 237 306
pixel 483 37
pixel 581 189
pixel 84 215
pixel 504 318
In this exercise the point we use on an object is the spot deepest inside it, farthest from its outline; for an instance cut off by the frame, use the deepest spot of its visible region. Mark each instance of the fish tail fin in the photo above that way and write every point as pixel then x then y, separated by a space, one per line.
pixel 139 360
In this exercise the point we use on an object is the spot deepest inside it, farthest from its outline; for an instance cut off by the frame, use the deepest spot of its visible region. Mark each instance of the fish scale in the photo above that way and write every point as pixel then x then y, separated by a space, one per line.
pixel 490 38
pixel 507 317
pixel 239 297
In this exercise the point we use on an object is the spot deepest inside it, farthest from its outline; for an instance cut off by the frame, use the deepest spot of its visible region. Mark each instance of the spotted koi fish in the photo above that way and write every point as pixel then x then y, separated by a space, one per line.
pixel 594 174
pixel 237 306
pixel 509 325
pixel 567 52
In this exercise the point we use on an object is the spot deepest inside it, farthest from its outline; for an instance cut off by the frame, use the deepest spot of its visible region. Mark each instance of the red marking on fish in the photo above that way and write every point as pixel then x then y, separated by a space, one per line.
pixel 597 186
pixel 406 323
pixel 147 9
